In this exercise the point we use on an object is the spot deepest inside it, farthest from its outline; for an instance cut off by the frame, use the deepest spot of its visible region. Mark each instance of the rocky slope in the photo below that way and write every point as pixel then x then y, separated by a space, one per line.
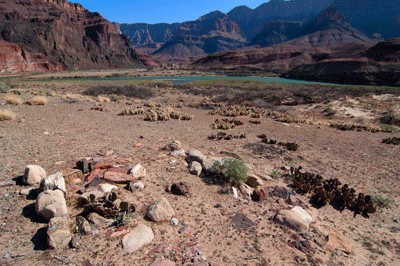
pixel 66 34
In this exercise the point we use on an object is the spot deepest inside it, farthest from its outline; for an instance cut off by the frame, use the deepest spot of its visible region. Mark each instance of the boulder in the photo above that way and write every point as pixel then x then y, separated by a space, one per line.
pixel 116 177
pixel 173 146
pixel 137 238
pixel 53 182
pixel 254 181
pixel 138 171
pixel 33 175
pixel 246 191
pixel 99 221
pixel 194 156
pixel 299 211
pixel 58 234
pixel 51 203
pixel 136 186
pixel 83 225
pixel 195 168
pixel 259 195
pixel 291 220
pixel 160 210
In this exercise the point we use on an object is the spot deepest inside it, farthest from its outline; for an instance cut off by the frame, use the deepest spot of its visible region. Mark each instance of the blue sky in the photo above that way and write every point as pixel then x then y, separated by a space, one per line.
pixel 157 11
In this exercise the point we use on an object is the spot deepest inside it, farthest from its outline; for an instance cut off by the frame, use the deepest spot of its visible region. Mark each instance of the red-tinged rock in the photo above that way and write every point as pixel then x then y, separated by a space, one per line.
pixel 259 195
pixel 102 166
pixel 71 175
pixel 336 242
pixel 157 249
pixel 118 170
pixel 280 201
pixel 118 177
pixel 180 188
pixel 93 174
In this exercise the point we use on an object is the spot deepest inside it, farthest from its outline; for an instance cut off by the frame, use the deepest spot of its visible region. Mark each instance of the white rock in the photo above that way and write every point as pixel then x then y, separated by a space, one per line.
pixel 194 156
pixel 195 168
pixel 137 238
pixel 173 146
pixel 98 220
pixel 51 203
pixel 180 152
pixel 33 175
pixel 234 192
pixel 288 218
pixel 58 234
pixel 96 193
pixel 137 186
pixel 254 181
pixel 303 214
pixel 53 182
pixel 174 222
pixel 160 210
pixel 138 171
pixel 246 191
pixel 26 191
pixel 107 187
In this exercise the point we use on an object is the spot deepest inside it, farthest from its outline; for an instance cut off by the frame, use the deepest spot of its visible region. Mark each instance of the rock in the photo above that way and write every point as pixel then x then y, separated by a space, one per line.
pixel 85 197
pixel 280 201
pixel 194 156
pixel 6 183
pixel 208 164
pixel 259 195
pixel 174 222
pixel 84 166
pixel 70 175
pixel 26 191
pixel 195 168
pixel 33 175
pixel 180 188
pixel 83 225
pixel 107 187
pixel 181 153
pixel 282 192
pixel 336 242
pixel 234 192
pixel 160 210
pixel 102 166
pixel 99 221
pixel 58 234
pixel 157 249
pixel 53 182
pixel 76 241
pixel 254 181
pixel 173 146
pixel 295 201
pixel 162 262
pixel 241 222
pixel 120 178
pixel 299 211
pixel 136 186
pixel 137 238
pixel 51 203
pixel 291 220
pixel 118 170
pixel 246 191
pixel 95 173
pixel 138 171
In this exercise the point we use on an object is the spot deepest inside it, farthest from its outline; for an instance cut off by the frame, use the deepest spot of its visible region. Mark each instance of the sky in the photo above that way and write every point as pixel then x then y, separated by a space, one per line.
pixel 159 11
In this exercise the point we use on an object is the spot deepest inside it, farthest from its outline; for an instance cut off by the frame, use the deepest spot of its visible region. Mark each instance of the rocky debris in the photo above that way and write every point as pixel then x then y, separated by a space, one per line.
pixel 254 181
pixel 160 210
pixel 241 222
pixel 162 262
pixel 282 192
pixel 83 225
pixel 120 178
pixel 51 203
pixel 53 182
pixel 106 188
pixel 299 211
pixel 157 249
pixel 93 174
pixel 234 192
pixel 195 168
pixel 91 196
pixel 180 188
pixel 135 186
pixel 259 195
pixel 173 146
pixel 336 242
pixel 76 241
pixel 246 191
pixel 6 183
pixel 102 166
pixel 140 236
pixel 99 221
pixel 181 153
pixel 302 245
pixel 280 201
pixel 118 170
pixel 84 166
pixel 138 171
pixel 33 175
pixel 296 201
pixel 291 220
pixel 174 222
pixel 26 191
pixel 58 234
pixel 72 176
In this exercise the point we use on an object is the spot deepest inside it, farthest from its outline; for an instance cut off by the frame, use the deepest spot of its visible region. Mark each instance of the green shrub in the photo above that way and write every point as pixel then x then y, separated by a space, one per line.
pixel 234 170
pixel 381 202
pixel 388 128
pixel 4 87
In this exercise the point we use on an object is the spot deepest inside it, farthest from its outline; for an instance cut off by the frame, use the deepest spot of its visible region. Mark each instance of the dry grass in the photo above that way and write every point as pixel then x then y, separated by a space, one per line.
pixel 39 100
pixel 7 115
pixel 71 98
pixel 103 99
pixel 12 99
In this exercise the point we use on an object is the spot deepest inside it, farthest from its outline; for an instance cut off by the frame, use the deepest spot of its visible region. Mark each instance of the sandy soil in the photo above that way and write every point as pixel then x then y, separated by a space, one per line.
pixel 57 134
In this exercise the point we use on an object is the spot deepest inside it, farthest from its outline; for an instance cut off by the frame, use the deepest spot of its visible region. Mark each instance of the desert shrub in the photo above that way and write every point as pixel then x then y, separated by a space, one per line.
pixel 233 170
pixel 12 99
pixel 103 99
pixel 330 112
pixel 4 87
pixel 392 116
pixel 7 115
pixel 388 128
pixel 381 202
pixel 39 100
pixel 128 91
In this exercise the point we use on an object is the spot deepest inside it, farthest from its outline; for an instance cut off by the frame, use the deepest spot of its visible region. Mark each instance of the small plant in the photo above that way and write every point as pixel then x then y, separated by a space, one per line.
pixel 39 100
pixel 122 219
pixel 381 202
pixel 103 99
pixel 275 174
pixel 11 99
pixel 330 112
pixel 394 141
pixel 388 128
pixel 234 170
pixel 4 87
pixel 7 115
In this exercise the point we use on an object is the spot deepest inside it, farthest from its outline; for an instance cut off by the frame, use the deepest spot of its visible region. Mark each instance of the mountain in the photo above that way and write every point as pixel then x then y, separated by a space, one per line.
pixel 372 17
pixel 66 34
pixel 213 32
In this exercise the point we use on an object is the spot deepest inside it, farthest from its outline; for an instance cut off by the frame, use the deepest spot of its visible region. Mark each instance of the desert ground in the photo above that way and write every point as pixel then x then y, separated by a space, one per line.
pixel 73 125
